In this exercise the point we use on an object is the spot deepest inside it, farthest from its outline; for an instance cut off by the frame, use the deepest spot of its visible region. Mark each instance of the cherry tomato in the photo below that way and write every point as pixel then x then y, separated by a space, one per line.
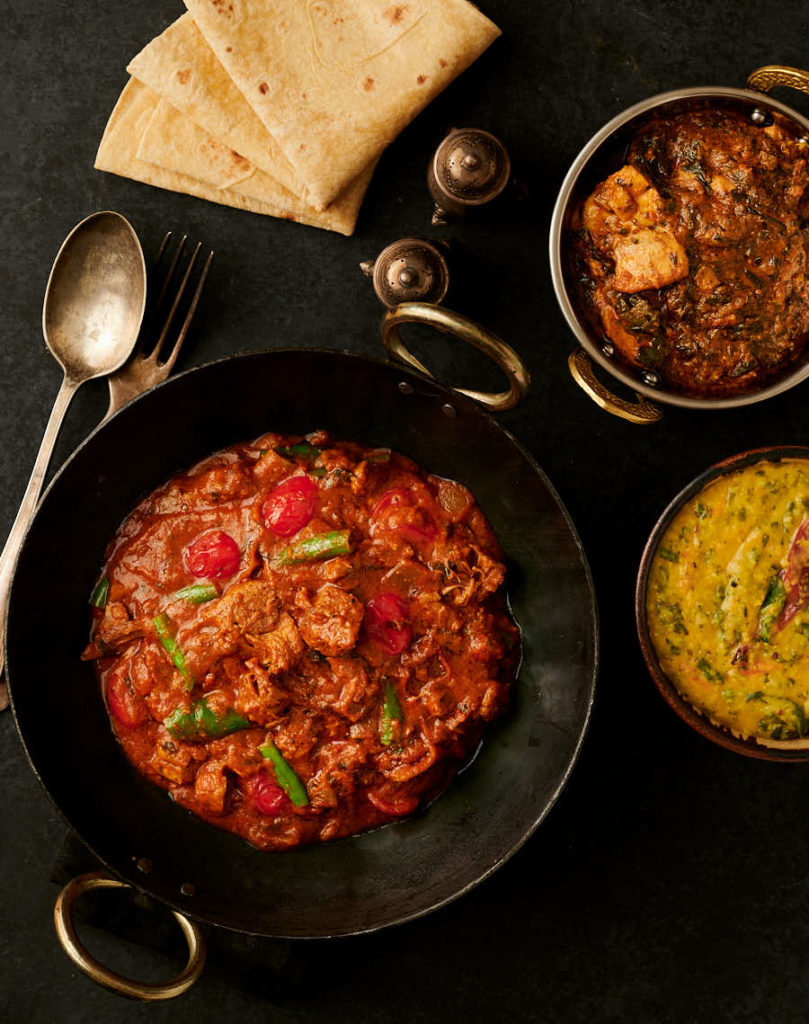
pixel 398 496
pixel 124 705
pixel 396 808
pixel 796 576
pixel 418 528
pixel 398 511
pixel 213 556
pixel 290 506
pixel 386 622
pixel 267 798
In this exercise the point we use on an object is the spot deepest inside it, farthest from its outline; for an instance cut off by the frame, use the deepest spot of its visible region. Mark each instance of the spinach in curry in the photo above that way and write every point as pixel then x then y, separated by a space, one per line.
pixel 692 258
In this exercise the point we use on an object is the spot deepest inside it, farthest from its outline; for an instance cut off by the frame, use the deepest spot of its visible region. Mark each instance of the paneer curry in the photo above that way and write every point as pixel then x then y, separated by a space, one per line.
pixel 691 259
pixel 301 639
pixel 728 601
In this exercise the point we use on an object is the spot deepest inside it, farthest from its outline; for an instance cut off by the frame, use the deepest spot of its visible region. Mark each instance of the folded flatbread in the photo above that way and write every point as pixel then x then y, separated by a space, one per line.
pixel 334 81
pixel 149 141
pixel 180 66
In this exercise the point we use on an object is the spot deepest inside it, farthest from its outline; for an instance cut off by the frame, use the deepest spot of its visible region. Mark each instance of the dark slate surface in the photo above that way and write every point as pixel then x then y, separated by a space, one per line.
pixel 668 883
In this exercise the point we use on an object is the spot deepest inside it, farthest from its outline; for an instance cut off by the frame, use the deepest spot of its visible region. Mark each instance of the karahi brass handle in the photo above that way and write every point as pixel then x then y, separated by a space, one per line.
pixel 65 930
pixel 771 75
pixel 448 322
pixel 640 412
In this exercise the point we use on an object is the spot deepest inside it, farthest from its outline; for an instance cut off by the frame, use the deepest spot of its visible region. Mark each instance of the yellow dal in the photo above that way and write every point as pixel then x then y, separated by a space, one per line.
pixel 715 567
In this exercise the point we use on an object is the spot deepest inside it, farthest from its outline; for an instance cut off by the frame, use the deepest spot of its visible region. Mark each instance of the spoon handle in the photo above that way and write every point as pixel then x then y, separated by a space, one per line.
pixel 8 558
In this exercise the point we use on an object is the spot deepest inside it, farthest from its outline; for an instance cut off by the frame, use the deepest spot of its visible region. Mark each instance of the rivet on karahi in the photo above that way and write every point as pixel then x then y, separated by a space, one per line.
pixel 650 377
pixel 470 168
pixel 188 889
pixel 608 349
pixel 405 388
pixel 144 865
pixel 449 410
pixel 410 270
pixel 759 117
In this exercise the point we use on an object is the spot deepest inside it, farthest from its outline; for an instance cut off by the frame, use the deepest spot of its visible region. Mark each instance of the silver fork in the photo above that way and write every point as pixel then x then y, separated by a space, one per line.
pixel 146 368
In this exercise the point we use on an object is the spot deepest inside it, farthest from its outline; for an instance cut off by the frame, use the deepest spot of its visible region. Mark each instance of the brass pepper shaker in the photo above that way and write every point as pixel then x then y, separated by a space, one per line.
pixel 410 270
pixel 470 168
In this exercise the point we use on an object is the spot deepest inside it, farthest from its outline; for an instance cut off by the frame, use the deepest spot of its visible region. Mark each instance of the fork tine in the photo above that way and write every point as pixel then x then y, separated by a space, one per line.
pixel 192 308
pixel 145 369
pixel 154 303
pixel 169 273
pixel 163 244
pixel 173 310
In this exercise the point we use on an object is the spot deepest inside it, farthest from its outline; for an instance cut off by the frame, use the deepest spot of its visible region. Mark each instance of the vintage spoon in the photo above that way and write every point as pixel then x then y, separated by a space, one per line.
pixel 91 317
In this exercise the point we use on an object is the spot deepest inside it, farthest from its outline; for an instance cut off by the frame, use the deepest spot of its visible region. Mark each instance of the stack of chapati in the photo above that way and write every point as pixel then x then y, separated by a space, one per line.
pixel 283 107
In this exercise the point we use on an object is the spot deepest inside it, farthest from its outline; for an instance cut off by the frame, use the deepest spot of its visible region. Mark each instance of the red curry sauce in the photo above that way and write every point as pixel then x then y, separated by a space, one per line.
pixel 301 640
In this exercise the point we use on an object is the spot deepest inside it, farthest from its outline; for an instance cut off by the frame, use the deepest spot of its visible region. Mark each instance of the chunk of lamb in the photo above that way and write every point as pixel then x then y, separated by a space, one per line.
pixel 115 630
pixel 279 649
pixel 330 621
pixel 341 686
pixel 173 760
pixel 336 769
pixel 627 221
pixel 248 608
pixel 211 787
pixel 256 694
pixel 404 763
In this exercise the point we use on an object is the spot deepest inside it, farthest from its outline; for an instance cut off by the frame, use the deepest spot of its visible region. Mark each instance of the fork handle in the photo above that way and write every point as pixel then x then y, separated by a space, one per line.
pixel 8 559
pixel 120 394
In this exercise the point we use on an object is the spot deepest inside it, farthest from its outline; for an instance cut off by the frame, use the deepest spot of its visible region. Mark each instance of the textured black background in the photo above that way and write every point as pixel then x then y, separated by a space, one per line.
pixel 669 882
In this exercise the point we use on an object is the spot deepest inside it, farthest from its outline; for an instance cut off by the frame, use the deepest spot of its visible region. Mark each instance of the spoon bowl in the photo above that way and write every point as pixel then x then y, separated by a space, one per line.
pixel 95 297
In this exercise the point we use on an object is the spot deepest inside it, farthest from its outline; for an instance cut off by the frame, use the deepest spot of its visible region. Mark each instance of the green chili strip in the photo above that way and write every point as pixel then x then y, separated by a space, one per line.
pixel 771 608
pixel 322 545
pixel 101 593
pixel 166 637
pixel 302 450
pixel 201 723
pixel 381 456
pixel 391 715
pixel 287 779
pixel 197 593
pixel 670 556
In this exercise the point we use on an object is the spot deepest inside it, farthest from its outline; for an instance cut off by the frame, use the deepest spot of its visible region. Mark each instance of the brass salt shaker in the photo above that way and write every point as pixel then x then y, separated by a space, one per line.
pixel 410 270
pixel 469 169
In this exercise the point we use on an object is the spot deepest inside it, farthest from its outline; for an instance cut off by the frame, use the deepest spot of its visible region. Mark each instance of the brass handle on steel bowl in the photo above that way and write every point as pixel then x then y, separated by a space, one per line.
pixel 65 930
pixel 768 77
pixel 453 323
pixel 641 412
